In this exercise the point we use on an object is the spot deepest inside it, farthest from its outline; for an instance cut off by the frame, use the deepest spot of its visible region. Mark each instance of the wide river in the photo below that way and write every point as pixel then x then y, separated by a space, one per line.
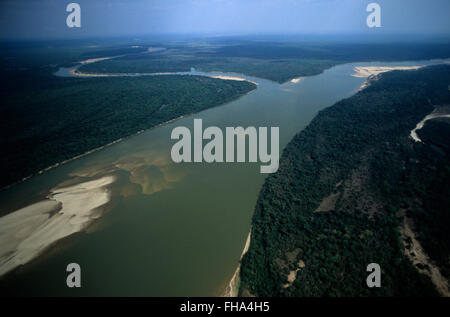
pixel 172 229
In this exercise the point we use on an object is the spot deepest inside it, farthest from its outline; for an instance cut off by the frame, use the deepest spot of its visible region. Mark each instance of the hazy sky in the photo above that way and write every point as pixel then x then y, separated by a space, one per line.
pixel 47 18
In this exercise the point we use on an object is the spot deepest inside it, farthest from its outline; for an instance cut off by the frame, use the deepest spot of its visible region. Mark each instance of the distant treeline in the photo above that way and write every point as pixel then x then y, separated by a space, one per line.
pixel 278 61
pixel 358 155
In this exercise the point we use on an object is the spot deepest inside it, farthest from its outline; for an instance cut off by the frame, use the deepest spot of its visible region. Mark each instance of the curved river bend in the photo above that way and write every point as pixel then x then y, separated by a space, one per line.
pixel 171 229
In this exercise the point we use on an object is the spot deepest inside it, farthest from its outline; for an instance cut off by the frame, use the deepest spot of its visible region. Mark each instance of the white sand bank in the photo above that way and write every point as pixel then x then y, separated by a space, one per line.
pixel 232 78
pixel 27 232
pixel 366 71
pixel 296 80
pixel 233 287
pixel 95 60
pixel 420 125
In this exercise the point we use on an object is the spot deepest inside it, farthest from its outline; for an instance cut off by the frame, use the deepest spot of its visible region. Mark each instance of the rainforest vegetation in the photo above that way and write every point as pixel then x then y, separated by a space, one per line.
pixel 335 205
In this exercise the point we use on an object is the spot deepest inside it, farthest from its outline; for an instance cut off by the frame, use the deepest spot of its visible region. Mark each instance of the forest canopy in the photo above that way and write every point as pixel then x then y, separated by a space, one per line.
pixel 337 201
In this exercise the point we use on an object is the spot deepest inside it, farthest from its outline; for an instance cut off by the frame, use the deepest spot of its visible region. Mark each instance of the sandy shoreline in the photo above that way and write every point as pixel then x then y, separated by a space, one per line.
pixel 296 80
pixel 367 71
pixel 372 72
pixel 224 77
pixel 29 231
pixel 233 287
pixel 75 72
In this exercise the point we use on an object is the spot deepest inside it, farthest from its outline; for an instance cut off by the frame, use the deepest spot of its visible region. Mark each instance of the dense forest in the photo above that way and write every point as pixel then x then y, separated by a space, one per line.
pixel 45 119
pixel 429 185
pixel 279 61
pixel 337 202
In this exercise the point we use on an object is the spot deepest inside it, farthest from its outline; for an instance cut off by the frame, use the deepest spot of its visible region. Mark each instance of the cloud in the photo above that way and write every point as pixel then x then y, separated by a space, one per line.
pixel 46 18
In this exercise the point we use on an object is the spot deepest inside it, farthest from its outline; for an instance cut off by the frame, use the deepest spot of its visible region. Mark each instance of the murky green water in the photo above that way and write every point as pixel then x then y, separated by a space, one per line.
pixel 171 229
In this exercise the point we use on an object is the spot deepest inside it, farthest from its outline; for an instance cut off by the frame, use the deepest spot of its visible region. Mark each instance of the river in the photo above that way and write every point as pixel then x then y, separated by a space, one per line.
pixel 171 229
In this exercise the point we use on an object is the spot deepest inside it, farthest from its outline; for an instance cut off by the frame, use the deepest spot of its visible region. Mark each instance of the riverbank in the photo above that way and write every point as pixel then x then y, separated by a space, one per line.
pixel 367 71
pixel 232 289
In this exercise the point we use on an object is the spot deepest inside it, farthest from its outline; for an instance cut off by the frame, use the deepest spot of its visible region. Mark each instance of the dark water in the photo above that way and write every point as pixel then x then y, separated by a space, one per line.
pixel 172 229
